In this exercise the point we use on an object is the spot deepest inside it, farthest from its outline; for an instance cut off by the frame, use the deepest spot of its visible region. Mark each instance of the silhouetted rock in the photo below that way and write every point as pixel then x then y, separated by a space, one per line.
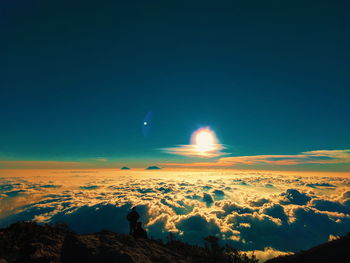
pixel 333 251
pixel 28 242
pixel 90 249
pixel 125 168
pixel 31 243
pixel 153 168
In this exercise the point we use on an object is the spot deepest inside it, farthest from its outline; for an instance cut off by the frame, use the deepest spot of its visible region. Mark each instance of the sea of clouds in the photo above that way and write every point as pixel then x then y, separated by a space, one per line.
pixel 266 212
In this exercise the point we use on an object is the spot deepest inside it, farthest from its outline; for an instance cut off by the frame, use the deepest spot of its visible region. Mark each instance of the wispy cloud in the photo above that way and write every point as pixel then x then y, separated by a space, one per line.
pixel 41 165
pixel 309 157
pixel 101 159
pixel 191 150
pixel 204 144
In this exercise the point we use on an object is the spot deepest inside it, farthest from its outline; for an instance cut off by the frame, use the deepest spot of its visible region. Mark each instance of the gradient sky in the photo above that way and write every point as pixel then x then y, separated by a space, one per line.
pixel 78 79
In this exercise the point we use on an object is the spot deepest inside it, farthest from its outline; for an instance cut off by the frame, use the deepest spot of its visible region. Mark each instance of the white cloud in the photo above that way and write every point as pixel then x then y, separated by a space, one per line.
pixel 287 217
pixel 267 253
pixel 310 157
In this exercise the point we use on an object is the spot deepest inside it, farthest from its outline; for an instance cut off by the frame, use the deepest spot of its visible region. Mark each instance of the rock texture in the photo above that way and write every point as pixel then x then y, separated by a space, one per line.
pixel 333 251
pixel 27 242
pixel 111 247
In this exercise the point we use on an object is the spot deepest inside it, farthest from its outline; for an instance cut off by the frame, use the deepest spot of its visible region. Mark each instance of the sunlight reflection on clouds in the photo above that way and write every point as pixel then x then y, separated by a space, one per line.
pixel 250 210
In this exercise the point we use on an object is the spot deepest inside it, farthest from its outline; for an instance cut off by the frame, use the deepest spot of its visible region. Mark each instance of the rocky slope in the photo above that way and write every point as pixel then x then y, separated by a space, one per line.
pixel 334 251
pixel 27 242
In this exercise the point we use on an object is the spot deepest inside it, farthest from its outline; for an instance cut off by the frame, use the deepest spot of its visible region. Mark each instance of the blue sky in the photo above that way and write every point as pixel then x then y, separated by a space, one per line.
pixel 77 80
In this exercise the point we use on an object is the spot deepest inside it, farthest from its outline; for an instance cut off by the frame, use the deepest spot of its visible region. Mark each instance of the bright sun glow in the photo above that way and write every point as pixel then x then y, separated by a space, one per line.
pixel 204 140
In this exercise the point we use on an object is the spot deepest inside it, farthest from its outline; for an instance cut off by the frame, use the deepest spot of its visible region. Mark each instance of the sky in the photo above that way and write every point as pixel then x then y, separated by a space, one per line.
pixel 257 91
pixel 270 78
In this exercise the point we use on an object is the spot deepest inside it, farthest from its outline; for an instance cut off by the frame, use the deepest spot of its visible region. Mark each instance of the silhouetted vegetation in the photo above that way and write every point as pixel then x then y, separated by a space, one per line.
pixel 212 252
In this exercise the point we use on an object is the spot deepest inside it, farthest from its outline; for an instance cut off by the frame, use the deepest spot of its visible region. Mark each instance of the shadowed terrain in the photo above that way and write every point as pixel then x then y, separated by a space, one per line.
pixel 32 243
pixel 333 251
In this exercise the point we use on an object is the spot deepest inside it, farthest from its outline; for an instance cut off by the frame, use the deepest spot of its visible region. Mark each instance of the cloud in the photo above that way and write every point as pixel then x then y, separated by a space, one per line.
pixel 95 218
pixel 14 193
pixel 259 202
pixel 262 230
pixel 192 151
pixel 179 207
pixel 49 186
pixel 204 144
pixel 346 195
pixel 191 205
pixel 157 228
pixel 208 199
pixel 276 211
pixel 229 207
pixel 316 185
pixel 331 206
pixel 41 165
pixel 293 196
pixel 267 253
pixel 310 157
pixel 89 187
pixel 195 227
pixel 101 159
pixel 219 194
pixel 6 187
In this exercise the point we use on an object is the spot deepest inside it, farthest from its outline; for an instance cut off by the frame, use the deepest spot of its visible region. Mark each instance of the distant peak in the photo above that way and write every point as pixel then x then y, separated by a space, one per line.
pixel 153 168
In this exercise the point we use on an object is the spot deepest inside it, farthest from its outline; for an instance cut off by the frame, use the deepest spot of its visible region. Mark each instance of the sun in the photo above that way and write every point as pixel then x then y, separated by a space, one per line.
pixel 204 140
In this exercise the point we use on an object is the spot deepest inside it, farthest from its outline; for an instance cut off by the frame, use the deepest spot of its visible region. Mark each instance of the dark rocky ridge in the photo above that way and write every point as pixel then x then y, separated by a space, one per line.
pixel 28 242
pixel 333 251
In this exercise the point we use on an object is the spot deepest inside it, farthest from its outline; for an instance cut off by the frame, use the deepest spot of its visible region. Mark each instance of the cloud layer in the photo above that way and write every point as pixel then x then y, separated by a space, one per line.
pixel 267 212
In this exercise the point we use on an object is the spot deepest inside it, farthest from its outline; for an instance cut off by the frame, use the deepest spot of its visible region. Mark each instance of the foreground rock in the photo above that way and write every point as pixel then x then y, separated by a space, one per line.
pixel 111 247
pixel 333 251
pixel 29 242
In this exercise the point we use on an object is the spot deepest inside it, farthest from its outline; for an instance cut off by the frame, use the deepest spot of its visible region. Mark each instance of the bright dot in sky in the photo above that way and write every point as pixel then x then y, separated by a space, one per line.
pixel 204 140
pixel 145 123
